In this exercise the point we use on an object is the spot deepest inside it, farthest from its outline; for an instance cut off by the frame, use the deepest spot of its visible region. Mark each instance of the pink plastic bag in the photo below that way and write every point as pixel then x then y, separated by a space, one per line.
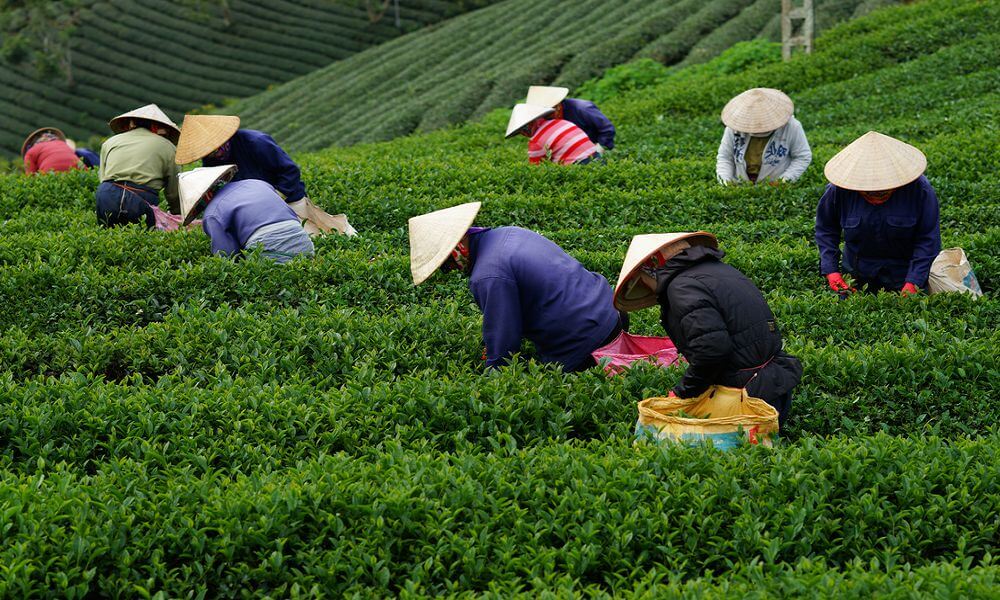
pixel 627 349
pixel 168 222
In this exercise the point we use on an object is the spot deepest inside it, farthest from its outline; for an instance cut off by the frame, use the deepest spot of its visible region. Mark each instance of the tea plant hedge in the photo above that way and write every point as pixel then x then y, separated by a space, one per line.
pixel 469 65
pixel 180 425
pixel 126 53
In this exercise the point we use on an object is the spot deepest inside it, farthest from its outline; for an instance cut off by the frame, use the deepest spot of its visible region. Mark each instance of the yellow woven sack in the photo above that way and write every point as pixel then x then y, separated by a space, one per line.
pixel 728 416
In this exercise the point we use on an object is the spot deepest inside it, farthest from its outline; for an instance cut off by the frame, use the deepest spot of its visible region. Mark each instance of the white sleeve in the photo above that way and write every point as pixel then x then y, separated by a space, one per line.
pixel 799 152
pixel 725 169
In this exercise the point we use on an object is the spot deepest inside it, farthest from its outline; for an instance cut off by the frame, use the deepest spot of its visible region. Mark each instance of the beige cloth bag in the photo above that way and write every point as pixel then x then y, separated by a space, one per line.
pixel 317 221
pixel 951 272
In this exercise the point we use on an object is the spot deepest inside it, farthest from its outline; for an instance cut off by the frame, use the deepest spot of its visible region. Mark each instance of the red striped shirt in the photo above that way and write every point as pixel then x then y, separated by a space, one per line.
pixel 561 142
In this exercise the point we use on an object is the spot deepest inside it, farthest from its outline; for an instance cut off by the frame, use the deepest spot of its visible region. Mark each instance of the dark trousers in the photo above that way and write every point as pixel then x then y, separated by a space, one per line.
pixel 123 203
pixel 623 322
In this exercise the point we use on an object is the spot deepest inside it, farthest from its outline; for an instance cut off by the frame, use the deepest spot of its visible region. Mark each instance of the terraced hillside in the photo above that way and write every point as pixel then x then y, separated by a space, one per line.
pixel 181 424
pixel 471 65
pixel 126 53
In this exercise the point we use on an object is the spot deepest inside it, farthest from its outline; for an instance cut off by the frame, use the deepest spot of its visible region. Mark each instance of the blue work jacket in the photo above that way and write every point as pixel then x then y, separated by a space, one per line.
pixel 528 287
pixel 885 245
pixel 257 156
pixel 585 115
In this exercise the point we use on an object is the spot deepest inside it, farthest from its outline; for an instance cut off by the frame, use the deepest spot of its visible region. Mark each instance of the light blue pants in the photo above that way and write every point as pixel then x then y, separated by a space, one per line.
pixel 281 242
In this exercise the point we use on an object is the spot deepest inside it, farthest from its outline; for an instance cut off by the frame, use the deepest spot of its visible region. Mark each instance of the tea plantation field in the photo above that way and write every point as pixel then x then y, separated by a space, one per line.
pixel 128 53
pixel 177 424
pixel 471 64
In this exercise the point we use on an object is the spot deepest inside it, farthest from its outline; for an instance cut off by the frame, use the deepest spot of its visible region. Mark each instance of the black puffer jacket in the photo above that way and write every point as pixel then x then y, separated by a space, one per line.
pixel 722 325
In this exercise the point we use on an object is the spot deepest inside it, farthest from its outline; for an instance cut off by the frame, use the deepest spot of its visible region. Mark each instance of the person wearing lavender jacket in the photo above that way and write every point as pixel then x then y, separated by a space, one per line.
pixel 525 285
pixel 241 215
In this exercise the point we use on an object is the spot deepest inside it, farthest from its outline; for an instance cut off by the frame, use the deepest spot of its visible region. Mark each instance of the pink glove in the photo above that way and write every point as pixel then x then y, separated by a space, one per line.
pixel 909 289
pixel 671 394
pixel 838 284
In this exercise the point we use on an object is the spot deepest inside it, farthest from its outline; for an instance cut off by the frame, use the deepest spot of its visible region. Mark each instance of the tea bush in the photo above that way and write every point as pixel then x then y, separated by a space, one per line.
pixel 178 424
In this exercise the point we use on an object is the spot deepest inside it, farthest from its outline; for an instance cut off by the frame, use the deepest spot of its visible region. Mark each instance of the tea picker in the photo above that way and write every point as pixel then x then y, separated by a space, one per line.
pixel 136 164
pixel 762 140
pixel 242 215
pixel 88 158
pixel 525 285
pixel 551 139
pixel 45 150
pixel 218 140
pixel 716 316
pixel 888 213
pixel 582 113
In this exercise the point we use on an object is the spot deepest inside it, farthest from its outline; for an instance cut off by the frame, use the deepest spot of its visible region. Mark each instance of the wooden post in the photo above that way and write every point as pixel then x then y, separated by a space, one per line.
pixel 796 27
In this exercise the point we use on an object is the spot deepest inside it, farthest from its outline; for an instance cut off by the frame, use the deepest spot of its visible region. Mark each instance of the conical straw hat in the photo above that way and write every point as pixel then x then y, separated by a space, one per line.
pixel 875 162
pixel 543 95
pixel 433 236
pixel 149 112
pixel 193 184
pixel 31 137
pixel 524 114
pixel 629 293
pixel 758 110
pixel 203 134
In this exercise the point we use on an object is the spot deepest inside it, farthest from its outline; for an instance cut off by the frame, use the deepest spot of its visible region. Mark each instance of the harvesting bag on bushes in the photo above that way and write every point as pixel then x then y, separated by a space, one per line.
pixel 626 349
pixel 169 222
pixel 951 272
pixel 727 416
pixel 317 221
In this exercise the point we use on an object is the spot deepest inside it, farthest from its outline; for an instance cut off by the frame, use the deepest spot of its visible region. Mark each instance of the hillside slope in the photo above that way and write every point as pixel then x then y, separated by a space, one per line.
pixel 188 425
pixel 126 53
pixel 473 64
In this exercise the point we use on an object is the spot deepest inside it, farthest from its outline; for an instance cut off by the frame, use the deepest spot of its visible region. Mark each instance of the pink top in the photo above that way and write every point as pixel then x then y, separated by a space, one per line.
pixel 55 155
pixel 561 142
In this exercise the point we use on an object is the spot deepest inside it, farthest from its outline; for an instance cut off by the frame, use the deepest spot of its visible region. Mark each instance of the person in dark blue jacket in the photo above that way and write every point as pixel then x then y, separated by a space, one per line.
pixel 217 140
pixel 525 285
pixel 888 213
pixel 583 113
pixel 88 157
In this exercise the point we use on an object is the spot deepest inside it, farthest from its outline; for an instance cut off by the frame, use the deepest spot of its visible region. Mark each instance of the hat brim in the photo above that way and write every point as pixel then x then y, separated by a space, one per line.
pixel 545 95
pixel 875 162
pixel 203 134
pixel 758 110
pixel 641 250
pixel 523 115
pixel 434 235
pixel 200 181
pixel 34 134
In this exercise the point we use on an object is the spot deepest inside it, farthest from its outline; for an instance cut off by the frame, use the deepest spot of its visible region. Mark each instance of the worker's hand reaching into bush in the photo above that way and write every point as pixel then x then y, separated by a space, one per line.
pixel 837 283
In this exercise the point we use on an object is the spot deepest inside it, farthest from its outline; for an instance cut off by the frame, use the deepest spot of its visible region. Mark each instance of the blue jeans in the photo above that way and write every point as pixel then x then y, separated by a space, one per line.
pixel 123 203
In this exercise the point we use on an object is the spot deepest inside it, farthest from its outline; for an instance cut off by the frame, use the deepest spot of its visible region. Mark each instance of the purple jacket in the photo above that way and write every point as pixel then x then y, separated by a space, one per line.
pixel 591 120
pixel 239 209
pixel 893 243
pixel 526 286
pixel 257 156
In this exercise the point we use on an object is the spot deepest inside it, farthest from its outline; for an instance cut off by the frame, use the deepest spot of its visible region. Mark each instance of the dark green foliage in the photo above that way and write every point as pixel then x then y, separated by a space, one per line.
pixel 75 64
pixel 487 59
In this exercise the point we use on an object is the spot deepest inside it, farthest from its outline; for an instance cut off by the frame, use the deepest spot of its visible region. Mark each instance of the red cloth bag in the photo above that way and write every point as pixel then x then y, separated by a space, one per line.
pixel 627 349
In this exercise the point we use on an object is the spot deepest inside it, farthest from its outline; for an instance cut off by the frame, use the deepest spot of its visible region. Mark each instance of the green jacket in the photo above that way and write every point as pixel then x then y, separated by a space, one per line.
pixel 140 156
